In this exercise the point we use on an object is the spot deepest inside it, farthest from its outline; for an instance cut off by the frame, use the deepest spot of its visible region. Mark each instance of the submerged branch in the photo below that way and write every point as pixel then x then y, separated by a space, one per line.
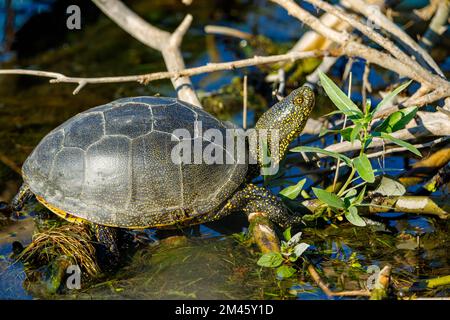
pixel 322 285
pixel 436 206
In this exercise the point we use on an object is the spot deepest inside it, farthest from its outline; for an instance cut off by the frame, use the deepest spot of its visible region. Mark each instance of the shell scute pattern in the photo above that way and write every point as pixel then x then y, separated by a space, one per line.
pixel 112 165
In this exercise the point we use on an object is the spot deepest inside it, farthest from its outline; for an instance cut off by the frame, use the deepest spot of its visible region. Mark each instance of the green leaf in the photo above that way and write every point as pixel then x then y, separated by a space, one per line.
pixel 397 121
pixel 292 192
pixel 368 105
pixel 355 132
pixel 300 248
pixel 351 193
pixel 329 198
pixel 332 113
pixel 287 234
pixel 359 199
pixel 324 131
pixel 336 155
pixel 353 217
pixel 402 143
pixel 270 260
pixel 364 168
pixel 390 96
pixel 346 133
pixel 285 271
pixel 339 98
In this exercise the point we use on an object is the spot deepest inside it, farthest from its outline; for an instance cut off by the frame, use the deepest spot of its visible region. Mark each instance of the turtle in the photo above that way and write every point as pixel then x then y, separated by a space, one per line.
pixel 112 167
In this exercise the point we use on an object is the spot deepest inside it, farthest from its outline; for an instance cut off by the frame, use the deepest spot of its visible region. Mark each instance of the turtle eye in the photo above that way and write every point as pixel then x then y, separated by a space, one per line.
pixel 298 101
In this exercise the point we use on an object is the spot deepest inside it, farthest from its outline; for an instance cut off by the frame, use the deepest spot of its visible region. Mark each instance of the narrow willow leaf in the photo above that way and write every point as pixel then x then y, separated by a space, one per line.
pixel 364 168
pixel 353 217
pixel 332 113
pixel 402 143
pixel 329 198
pixel 270 260
pixel 359 199
pixel 355 132
pixel 336 155
pixel 292 192
pixel 390 96
pixel 339 98
pixel 397 121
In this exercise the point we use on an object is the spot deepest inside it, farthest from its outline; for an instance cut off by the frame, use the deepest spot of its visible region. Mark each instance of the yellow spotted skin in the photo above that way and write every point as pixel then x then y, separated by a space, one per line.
pixel 289 117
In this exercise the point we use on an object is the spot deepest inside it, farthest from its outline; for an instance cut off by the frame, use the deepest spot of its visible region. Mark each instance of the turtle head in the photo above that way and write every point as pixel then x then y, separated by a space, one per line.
pixel 284 121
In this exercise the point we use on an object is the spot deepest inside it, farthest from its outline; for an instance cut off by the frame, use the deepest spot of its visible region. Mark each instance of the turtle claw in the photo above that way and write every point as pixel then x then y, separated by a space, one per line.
pixel 263 233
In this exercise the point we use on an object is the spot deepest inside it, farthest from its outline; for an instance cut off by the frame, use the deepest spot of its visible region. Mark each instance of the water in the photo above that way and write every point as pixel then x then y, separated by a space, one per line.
pixel 211 263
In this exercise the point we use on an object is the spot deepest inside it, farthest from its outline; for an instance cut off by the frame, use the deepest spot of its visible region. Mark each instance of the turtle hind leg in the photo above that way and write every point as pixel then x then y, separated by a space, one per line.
pixel 23 195
pixel 107 247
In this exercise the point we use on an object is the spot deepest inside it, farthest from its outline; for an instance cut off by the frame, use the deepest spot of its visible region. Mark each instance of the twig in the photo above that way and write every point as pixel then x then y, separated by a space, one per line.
pixel 227 31
pixel 365 85
pixel 146 78
pixel 417 71
pixel 336 175
pixel 353 48
pixel 428 11
pixel 244 112
pixel 437 26
pixel 374 13
pixel 322 285
pixel 324 66
pixel 168 44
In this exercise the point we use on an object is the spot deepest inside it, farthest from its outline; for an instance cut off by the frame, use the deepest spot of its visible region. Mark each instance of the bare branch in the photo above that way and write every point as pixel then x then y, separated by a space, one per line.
pixel 353 48
pixel 374 13
pixel 227 31
pixel 146 78
pixel 168 44
pixel 437 25
pixel 384 42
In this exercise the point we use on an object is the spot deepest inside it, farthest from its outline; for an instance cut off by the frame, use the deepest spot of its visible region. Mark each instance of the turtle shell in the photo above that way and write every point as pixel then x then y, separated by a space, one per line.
pixel 112 165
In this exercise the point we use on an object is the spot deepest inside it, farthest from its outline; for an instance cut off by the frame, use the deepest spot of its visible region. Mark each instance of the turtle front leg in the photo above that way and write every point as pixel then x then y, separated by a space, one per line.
pixel 107 246
pixel 262 208
pixel 23 195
